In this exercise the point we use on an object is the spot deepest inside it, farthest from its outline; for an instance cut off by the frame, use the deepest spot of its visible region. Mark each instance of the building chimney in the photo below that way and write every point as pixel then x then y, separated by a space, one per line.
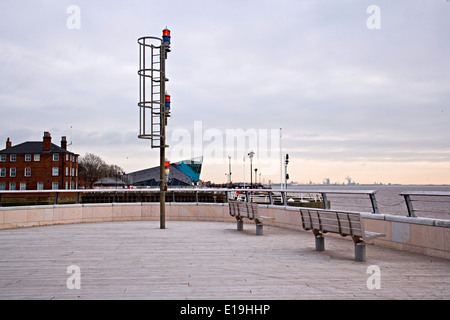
pixel 63 143
pixel 8 143
pixel 47 145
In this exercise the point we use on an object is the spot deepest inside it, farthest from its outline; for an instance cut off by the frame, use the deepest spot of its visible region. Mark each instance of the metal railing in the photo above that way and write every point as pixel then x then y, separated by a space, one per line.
pixel 424 201
pixel 263 196
pixel 427 198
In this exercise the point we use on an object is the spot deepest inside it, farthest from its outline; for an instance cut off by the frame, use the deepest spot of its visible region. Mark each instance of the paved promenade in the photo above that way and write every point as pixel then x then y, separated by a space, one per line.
pixel 204 260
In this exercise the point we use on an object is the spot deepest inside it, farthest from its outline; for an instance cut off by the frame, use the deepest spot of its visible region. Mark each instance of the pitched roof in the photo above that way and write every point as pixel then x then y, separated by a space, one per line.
pixel 32 147
pixel 105 181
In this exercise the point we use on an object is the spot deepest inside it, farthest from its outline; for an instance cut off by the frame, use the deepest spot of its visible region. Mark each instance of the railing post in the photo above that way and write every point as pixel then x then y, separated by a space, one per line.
pixel 196 196
pixel 247 198
pixel 409 206
pixel 0 199
pixel 325 201
pixel 227 198
pixel 78 198
pixel 270 198
pixel 283 198
pixel 56 198
pixel 374 203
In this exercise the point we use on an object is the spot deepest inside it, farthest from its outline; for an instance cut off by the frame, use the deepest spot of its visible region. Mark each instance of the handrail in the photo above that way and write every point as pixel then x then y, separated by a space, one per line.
pixel 270 194
pixel 192 190
pixel 247 192
pixel 409 203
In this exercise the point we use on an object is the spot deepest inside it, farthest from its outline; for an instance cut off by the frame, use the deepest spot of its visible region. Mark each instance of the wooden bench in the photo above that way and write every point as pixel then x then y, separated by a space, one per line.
pixel 340 222
pixel 249 210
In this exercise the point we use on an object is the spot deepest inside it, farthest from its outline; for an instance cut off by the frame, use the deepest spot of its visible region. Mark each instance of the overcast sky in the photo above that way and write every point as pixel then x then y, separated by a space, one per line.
pixel 361 89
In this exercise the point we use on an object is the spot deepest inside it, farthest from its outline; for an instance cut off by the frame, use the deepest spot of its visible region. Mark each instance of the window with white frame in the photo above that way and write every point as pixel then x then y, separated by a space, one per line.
pixel 28 172
pixel 55 171
pixel 40 186
pixel 2 157
pixel 12 172
pixel 12 186
pixel 28 157
pixel 55 185
pixel 56 157
pixel 13 158
pixel 23 186
pixel 37 157
pixel 67 171
pixel 2 186
pixel 2 172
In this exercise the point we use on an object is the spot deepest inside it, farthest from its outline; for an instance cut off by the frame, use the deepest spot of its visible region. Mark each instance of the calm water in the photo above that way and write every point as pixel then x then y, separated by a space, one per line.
pixel 389 201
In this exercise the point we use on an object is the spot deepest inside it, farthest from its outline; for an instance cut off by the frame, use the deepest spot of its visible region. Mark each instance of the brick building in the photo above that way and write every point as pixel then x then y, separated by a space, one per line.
pixel 38 165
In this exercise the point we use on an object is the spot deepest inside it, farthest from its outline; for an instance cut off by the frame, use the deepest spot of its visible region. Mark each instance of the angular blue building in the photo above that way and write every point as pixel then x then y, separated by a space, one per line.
pixel 182 173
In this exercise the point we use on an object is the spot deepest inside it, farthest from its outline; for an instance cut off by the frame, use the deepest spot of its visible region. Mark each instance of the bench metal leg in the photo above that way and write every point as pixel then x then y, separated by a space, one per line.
pixel 240 225
pixel 259 229
pixel 360 252
pixel 320 242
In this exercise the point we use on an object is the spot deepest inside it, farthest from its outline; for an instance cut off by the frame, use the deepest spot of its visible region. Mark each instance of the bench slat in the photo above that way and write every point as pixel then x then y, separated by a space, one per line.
pixel 244 210
pixel 333 225
pixel 350 224
pixel 343 223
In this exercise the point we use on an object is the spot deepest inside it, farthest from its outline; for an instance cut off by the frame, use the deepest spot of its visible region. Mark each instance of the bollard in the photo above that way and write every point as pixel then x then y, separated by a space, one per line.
pixel 240 225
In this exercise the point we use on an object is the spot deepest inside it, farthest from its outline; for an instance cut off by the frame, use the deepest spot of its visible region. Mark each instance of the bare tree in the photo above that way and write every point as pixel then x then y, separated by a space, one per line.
pixel 92 168
pixel 113 170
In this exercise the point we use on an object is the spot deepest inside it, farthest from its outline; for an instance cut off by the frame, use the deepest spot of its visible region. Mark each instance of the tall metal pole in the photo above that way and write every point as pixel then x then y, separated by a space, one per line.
pixel 152 109
pixel 229 170
pixel 250 155
pixel 251 167
pixel 281 163
pixel 162 152
pixel 244 172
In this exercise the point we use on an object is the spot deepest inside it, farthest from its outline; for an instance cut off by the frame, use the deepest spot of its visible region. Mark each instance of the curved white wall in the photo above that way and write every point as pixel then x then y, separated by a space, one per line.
pixel 421 235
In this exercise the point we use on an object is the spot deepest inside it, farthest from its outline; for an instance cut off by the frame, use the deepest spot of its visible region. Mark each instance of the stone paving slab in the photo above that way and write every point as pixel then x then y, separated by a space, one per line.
pixel 205 260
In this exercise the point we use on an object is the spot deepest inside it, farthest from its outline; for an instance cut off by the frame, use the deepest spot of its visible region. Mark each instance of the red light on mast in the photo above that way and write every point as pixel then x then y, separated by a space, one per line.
pixel 166 36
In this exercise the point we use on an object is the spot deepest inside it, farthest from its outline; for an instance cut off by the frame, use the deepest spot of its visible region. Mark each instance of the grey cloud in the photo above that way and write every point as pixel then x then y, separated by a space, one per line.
pixel 310 67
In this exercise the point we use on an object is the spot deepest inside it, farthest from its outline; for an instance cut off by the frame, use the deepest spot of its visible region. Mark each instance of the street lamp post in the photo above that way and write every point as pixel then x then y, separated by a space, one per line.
pixel 229 170
pixel 244 172
pixel 250 155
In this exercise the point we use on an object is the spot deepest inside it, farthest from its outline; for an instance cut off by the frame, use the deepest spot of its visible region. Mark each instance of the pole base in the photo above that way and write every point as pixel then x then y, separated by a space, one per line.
pixel 320 243
pixel 360 252
pixel 259 229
